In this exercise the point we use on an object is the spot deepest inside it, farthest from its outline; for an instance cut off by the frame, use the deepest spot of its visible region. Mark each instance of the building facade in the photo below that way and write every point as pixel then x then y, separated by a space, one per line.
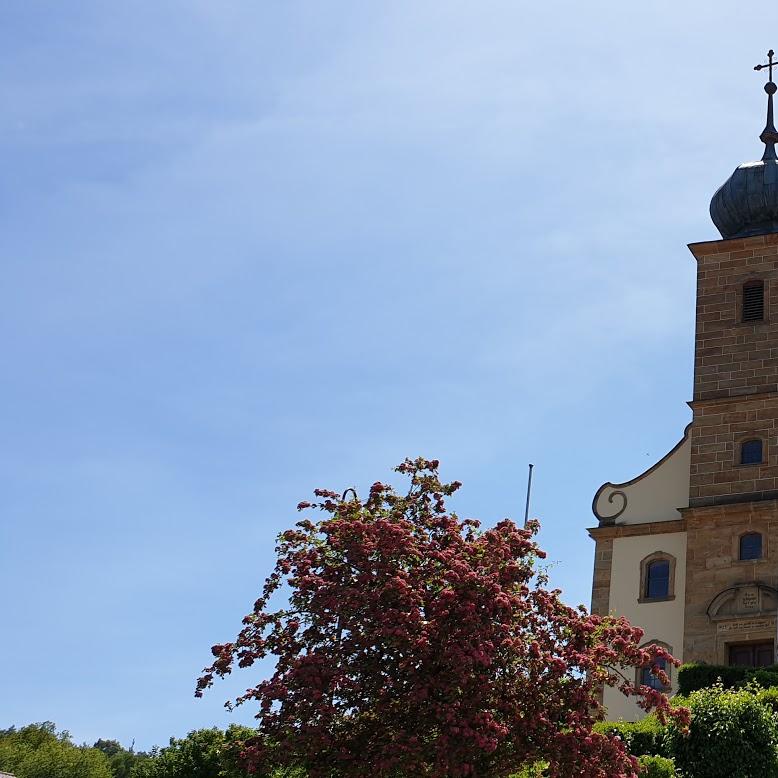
pixel 689 549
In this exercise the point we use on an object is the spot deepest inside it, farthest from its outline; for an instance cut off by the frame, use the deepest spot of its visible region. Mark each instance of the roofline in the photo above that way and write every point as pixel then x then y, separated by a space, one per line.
pixel 637 478
pixel 703 247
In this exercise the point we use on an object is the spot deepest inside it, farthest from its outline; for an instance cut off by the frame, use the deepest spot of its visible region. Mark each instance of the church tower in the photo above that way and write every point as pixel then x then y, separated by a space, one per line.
pixel 689 549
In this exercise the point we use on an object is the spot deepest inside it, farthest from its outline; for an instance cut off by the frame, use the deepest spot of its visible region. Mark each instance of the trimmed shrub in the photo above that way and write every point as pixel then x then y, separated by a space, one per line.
pixel 693 676
pixel 640 737
pixel 657 767
pixel 766 676
pixel 732 733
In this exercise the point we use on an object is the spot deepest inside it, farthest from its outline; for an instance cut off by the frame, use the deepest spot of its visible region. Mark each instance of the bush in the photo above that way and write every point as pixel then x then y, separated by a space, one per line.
pixel 732 733
pixel 531 771
pixel 769 697
pixel 653 767
pixel 766 677
pixel 693 676
pixel 640 737
pixel 657 767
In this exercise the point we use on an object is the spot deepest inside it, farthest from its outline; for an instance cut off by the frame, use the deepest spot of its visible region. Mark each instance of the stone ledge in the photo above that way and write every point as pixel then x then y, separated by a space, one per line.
pixel 632 530
pixel 731 499
pixel 646 600
pixel 728 245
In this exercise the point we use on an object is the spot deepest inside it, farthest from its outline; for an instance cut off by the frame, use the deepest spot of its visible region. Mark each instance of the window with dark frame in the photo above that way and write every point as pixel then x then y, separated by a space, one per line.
pixel 657 579
pixel 751 546
pixel 753 301
pixel 647 678
pixel 751 452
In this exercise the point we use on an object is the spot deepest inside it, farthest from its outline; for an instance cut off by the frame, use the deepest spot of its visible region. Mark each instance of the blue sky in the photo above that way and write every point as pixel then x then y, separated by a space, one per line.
pixel 251 248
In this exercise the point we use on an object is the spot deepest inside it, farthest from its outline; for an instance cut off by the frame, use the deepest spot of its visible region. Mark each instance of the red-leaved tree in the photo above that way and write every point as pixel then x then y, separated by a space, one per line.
pixel 416 644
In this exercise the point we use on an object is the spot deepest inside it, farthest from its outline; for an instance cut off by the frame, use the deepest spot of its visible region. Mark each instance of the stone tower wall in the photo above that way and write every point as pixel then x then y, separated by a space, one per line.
pixel 735 373
pixel 735 399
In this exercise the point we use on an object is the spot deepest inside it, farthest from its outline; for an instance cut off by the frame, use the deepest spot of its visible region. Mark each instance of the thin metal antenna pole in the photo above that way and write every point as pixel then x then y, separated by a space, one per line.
pixel 529 489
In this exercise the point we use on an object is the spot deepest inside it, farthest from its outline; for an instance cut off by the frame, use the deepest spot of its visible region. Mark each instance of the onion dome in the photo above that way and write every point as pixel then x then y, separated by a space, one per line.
pixel 747 202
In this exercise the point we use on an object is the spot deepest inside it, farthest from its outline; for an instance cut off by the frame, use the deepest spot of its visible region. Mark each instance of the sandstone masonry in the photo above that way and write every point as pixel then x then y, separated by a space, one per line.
pixel 735 372
pixel 735 399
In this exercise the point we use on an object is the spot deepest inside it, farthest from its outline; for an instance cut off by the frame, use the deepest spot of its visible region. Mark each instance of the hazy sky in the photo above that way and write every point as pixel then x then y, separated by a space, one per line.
pixel 251 248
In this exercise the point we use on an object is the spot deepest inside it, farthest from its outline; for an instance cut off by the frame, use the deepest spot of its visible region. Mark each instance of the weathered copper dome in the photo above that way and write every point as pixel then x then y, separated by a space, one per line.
pixel 747 202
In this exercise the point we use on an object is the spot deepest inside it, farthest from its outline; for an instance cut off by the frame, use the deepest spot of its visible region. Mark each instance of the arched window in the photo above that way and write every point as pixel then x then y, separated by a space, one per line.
pixel 751 452
pixel 753 301
pixel 751 546
pixel 657 579
pixel 644 674
pixel 647 678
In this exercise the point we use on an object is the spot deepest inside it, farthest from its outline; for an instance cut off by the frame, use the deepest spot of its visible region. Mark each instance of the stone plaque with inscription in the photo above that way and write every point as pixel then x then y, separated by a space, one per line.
pixel 748 600
pixel 745 625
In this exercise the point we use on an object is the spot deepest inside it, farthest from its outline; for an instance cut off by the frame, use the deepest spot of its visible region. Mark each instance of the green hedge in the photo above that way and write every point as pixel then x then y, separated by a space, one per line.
pixel 693 676
pixel 733 734
pixel 657 767
pixel 644 737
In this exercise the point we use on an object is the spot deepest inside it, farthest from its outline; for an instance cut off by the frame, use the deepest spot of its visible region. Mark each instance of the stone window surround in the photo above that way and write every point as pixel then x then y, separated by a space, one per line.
pixel 736 547
pixel 644 563
pixel 668 667
pixel 743 282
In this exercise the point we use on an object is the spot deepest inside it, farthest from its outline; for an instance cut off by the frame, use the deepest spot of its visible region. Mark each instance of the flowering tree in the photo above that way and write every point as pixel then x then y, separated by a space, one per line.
pixel 415 643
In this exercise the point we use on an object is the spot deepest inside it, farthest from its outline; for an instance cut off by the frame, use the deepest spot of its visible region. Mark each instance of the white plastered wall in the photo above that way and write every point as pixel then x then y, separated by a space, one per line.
pixel 653 496
pixel 660 620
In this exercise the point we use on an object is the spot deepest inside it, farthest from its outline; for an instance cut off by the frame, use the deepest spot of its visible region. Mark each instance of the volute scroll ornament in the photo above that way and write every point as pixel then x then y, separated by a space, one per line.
pixel 621 505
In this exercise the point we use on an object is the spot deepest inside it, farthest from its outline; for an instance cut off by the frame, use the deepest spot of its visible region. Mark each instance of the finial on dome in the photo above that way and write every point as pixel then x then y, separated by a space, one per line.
pixel 769 135
pixel 746 203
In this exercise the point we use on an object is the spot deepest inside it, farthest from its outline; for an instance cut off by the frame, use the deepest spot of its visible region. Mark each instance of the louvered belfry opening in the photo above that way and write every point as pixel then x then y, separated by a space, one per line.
pixel 753 301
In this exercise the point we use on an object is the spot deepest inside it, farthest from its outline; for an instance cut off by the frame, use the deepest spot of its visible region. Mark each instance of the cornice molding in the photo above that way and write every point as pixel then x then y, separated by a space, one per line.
pixel 724 245
pixel 610 531
pixel 728 399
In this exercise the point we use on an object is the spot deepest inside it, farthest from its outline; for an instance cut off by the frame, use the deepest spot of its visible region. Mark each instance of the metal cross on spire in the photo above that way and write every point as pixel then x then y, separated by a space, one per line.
pixel 769 135
pixel 770 64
